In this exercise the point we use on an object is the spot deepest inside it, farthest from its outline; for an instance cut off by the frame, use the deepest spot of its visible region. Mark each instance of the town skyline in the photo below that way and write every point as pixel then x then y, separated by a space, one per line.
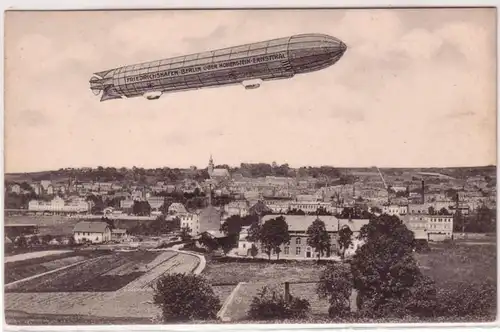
pixel 238 165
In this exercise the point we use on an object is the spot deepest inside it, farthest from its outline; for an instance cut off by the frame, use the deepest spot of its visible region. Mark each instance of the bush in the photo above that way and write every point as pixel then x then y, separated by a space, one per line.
pixel 468 299
pixel 184 297
pixel 270 304
pixel 336 285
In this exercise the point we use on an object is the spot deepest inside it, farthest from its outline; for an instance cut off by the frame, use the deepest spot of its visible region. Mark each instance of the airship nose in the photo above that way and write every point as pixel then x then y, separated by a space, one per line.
pixel 343 47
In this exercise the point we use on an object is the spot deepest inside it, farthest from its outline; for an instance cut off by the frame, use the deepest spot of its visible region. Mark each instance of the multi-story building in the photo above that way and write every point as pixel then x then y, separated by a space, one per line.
pixel 59 205
pixel 297 228
pixel 192 221
pixel 312 206
pixel 432 227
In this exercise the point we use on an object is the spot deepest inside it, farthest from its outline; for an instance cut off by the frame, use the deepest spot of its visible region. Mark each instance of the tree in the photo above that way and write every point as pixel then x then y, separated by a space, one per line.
pixel 254 232
pixel 47 238
pixel 345 239
pixel 232 228
pixel 208 242
pixel 141 208
pixel 384 270
pixel 318 238
pixel 71 241
pixel 184 297
pixel 271 304
pixel 34 240
pixel 432 210
pixel 185 233
pixel 273 234
pixel 443 211
pixel 335 284
pixel 21 241
pixel 254 251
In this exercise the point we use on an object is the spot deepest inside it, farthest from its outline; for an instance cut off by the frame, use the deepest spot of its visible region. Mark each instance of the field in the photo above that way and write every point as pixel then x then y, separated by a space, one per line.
pixel 101 273
pixel 53 225
pixel 220 272
pixel 449 266
pixel 26 268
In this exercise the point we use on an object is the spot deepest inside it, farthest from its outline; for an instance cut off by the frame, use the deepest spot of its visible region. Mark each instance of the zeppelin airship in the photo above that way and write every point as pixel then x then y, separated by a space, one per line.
pixel 248 65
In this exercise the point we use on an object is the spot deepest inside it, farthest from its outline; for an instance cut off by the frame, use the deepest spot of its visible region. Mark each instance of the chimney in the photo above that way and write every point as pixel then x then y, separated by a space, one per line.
pixel 423 192
pixel 210 195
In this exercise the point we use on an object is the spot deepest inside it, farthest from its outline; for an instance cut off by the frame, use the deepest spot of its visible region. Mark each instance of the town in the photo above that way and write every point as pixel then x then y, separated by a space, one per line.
pixel 255 212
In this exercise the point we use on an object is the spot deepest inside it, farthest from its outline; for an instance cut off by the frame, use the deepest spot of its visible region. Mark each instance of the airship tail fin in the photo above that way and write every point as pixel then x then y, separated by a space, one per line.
pixel 110 93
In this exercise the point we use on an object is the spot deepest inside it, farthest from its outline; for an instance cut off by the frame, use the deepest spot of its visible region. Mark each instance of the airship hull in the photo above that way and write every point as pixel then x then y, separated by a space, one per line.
pixel 280 58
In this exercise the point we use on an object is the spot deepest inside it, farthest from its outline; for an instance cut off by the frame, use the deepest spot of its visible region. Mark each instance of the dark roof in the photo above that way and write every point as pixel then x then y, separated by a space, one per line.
pixel 91 226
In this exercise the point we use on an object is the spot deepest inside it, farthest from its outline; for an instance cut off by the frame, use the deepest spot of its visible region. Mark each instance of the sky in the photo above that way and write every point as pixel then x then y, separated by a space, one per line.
pixel 415 88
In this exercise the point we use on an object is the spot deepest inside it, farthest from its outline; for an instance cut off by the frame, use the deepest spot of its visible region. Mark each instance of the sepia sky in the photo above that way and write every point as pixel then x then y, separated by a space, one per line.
pixel 415 88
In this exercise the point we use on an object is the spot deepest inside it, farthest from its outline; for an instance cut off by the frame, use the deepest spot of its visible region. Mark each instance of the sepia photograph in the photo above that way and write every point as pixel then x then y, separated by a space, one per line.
pixel 250 166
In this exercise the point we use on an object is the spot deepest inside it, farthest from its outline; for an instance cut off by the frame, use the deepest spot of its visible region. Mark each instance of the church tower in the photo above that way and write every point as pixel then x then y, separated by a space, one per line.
pixel 210 166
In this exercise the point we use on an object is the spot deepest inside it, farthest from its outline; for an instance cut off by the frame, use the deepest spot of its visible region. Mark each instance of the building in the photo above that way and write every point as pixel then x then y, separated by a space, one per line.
pixel 210 219
pixel 312 206
pixel 95 232
pixel 431 227
pixel 297 228
pixel 236 208
pixel 395 209
pixel 59 205
pixel 176 208
pixel 217 174
pixel 192 221
pixel 15 189
pixel 155 202
pixel 118 234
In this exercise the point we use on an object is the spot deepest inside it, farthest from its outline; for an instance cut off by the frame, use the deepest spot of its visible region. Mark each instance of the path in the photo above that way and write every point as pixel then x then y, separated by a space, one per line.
pixel 36 254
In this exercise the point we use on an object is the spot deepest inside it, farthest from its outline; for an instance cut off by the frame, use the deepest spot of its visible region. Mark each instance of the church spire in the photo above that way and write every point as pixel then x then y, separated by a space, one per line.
pixel 210 165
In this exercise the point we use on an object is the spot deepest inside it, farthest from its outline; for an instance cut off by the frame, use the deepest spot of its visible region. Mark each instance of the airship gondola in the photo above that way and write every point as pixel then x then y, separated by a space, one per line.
pixel 248 65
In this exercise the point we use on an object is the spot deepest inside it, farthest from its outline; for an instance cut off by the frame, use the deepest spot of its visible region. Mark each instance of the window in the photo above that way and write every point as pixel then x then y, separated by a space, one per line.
pixel 297 251
pixel 287 250
pixel 297 240
pixel 244 245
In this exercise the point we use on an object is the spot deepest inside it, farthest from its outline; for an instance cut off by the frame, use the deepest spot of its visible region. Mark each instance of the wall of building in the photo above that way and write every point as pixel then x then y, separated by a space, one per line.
pixel 92 236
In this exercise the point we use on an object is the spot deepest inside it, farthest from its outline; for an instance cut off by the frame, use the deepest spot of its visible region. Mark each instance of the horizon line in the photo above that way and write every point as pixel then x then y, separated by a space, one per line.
pixel 252 163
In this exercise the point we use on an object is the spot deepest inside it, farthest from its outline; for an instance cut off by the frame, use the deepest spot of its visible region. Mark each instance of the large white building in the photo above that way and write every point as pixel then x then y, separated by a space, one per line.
pixel 59 205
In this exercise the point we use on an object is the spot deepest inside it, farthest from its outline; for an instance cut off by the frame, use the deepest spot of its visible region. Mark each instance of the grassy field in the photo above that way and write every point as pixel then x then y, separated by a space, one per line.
pixel 234 272
pixel 451 265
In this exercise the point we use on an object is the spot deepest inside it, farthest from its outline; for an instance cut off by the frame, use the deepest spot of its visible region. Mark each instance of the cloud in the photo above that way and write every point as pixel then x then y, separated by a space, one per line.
pixel 33 118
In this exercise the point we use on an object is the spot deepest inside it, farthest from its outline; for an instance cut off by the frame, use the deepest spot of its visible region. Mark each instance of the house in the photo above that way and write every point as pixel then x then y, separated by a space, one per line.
pixel 297 228
pixel 119 234
pixel 95 232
